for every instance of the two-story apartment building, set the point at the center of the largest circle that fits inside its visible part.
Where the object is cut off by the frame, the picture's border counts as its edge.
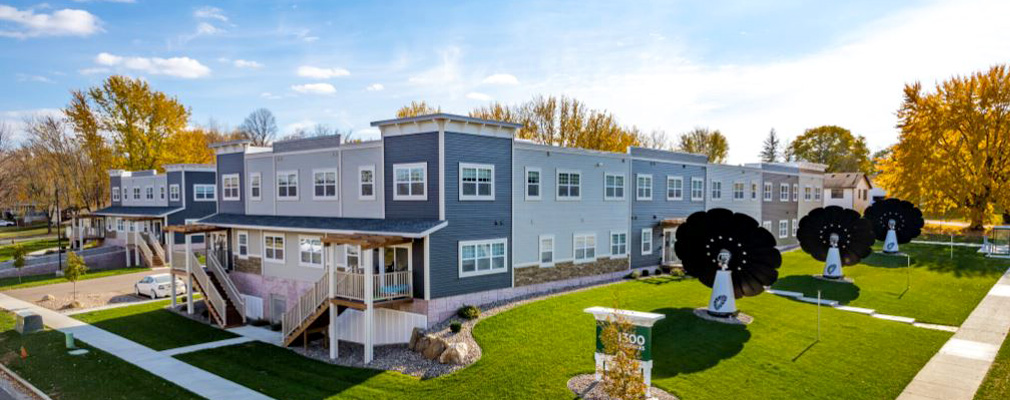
(780, 195)
(734, 187)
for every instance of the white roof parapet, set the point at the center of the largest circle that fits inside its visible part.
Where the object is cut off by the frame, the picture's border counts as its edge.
(119, 172)
(446, 123)
(231, 146)
(808, 165)
(191, 167)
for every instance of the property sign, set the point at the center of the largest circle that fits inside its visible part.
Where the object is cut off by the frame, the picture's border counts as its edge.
(640, 337)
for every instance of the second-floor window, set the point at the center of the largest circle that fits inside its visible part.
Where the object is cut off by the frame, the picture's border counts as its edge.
(255, 186)
(716, 190)
(230, 187)
(366, 183)
(768, 191)
(533, 184)
(149, 192)
(807, 193)
(476, 182)
(614, 187)
(324, 184)
(643, 187)
(738, 191)
(310, 251)
(753, 190)
(783, 192)
(697, 189)
(204, 192)
(410, 181)
(674, 188)
(115, 194)
(136, 193)
(173, 192)
(796, 192)
(817, 193)
(287, 185)
(161, 192)
(569, 185)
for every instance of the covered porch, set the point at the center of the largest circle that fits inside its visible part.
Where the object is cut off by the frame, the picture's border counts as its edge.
(669, 238)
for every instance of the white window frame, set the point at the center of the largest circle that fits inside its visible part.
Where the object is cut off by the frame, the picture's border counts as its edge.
(476, 196)
(818, 192)
(174, 194)
(783, 192)
(639, 179)
(701, 191)
(310, 238)
(238, 244)
(542, 250)
(796, 227)
(796, 192)
(491, 244)
(411, 196)
(754, 188)
(767, 225)
(361, 182)
(347, 256)
(120, 225)
(283, 247)
(646, 239)
(539, 184)
(196, 192)
(115, 193)
(783, 228)
(557, 184)
(808, 193)
(669, 180)
(743, 191)
(255, 186)
(606, 186)
(585, 250)
(226, 184)
(136, 192)
(161, 192)
(768, 195)
(336, 184)
(715, 190)
(149, 192)
(616, 234)
(287, 174)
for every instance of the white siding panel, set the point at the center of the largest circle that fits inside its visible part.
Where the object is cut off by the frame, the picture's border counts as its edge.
(390, 326)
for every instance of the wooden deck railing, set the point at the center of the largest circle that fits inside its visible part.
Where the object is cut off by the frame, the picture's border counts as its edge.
(154, 245)
(390, 285)
(307, 304)
(210, 292)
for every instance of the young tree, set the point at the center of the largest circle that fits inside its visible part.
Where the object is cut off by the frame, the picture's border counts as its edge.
(833, 146)
(772, 148)
(416, 108)
(953, 154)
(19, 252)
(260, 127)
(74, 270)
(705, 141)
(622, 379)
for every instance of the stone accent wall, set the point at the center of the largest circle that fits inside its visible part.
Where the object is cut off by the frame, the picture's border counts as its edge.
(568, 270)
(250, 265)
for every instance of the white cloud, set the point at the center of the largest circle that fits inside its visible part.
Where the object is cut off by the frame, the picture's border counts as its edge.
(315, 88)
(446, 72)
(209, 12)
(33, 78)
(105, 1)
(205, 28)
(15, 119)
(246, 64)
(375, 87)
(64, 22)
(307, 71)
(478, 96)
(181, 67)
(268, 95)
(305, 124)
(94, 70)
(501, 79)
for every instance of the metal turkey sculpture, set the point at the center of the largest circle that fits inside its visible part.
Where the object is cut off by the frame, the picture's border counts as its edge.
(895, 222)
(838, 236)
(730, 253)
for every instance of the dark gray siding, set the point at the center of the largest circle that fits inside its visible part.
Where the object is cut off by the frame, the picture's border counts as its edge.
(194, 209)
(232, 163)
(417, 263)
(472, 220)
(421, 147)
(776, 210)
(116, 182)
(648, 213)
(174, 178)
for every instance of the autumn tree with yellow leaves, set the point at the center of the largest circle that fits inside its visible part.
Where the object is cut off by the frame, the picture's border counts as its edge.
(953, 154)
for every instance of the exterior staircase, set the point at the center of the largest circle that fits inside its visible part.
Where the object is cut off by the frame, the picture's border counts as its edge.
(304, 317)
(225, 306)
(151, 250)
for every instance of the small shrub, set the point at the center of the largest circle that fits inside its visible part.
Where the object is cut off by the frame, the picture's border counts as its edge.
(468, 312)
(276, 327)
(678, 272)
(455, 326)
(634, 275)
(666, 269)
(259, 322)
(657, 272)
(645, 272)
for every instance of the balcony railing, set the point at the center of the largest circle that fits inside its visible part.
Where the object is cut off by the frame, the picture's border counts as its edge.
(385, 286)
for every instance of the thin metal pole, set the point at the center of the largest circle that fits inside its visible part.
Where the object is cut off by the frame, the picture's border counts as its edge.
(818, 315)
(951, 246)
(908, 272)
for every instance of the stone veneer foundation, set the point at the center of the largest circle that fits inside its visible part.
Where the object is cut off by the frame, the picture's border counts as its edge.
(567, 270)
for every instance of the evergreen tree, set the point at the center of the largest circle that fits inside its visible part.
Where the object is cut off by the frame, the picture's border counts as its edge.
(772, 147)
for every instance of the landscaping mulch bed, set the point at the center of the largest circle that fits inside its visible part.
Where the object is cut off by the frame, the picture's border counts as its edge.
(92, 300)
(585, 387)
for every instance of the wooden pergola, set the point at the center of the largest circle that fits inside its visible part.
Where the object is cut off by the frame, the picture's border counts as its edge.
(366, 241)
(672, 222)
(192, 229)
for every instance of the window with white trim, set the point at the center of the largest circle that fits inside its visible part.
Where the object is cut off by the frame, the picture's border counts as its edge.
(768, 191)
(697, 189)
(352, 257)
(533, 176)
(613, 187)
(136, 193)
(753, 190)
(273, 247)
(796, 227)
(481, 257)
(817, 193)
(119, 225)
(410, 181)
(646, 241)
(243, 244)
(230, 189)
(366, 182)
(643, 187)
(161, 192)
(738, 191)
(569, 185)
(783, 192)
(807, 193)
(287, 185)
(716, 190)
(115, 194)
(547, 250)
(783, 228)
(476, 182)
(618, 244)
(173, 192)
(255, 186)
(585, 247)
(204, 192)
(674, 188)
(149, 193)
(767, 225)
(324, 184)
(310, 251)
(796, 192)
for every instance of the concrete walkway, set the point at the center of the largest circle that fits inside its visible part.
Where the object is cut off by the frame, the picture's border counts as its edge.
(957, 370)
(187, 376)
(204, 346)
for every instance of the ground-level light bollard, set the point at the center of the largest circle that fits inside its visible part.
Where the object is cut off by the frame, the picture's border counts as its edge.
(642, 337)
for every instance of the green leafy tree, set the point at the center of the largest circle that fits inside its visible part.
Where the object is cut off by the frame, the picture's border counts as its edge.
(771, 148)
(707, 142)
(622, 379)
(833, 146)
(19, 252)
(76, 268)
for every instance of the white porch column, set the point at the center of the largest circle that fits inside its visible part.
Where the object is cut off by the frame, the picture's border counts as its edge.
(331, 277)
(189, 275)
(170, 240)
(136, 241)
(366, 259)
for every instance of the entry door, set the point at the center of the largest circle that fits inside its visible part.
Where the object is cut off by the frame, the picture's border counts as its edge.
(669, 239)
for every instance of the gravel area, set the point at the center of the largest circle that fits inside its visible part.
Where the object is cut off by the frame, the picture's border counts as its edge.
(585, 387)
(87, 300)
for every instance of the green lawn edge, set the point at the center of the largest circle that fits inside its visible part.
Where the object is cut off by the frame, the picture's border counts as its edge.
(154, 326)
(12, 283)
(996, 385)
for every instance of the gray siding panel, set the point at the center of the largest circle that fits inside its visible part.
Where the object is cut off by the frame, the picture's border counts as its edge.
(777, 210)
(729, 175)
(232, 163)
(648, 213)
(422, 147)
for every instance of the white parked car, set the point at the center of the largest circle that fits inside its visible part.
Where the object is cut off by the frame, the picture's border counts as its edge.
(4, 222)
(160, 285)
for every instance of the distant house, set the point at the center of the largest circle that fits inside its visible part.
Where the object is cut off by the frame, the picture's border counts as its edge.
(877, 192)
(848, 190)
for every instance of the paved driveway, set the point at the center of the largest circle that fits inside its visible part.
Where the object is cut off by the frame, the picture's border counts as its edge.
(119, 287)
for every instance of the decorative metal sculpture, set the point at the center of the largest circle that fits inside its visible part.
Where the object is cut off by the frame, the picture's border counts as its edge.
(730, 253)
(895, 222)
(837, 236)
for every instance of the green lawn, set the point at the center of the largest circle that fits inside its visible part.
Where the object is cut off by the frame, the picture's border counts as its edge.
(49, 279)
(96, 375)
(996, 385)
(532, 351)
(7, 251)
(23, 231)
(943, 291)
(151, 325)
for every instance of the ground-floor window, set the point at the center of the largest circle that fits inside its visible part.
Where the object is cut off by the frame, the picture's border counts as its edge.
(273, 247)
(352, 257)
(783, 228)
(618, 243)
(119, 225)
(480, 257)
(646, 241)
(585, 247)
(546, 250)
(243, 244)
(310, 251)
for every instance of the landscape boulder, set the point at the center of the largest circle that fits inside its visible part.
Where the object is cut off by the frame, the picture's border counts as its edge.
(455, 354)
(415, 335)
(48, 297)
(435, 347)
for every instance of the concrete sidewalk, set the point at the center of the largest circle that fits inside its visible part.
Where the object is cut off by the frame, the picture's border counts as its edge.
(187, 376)
(959, 368)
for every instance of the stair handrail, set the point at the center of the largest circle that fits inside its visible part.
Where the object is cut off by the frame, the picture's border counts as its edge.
(307, 304)
(145, 251)
(226, 282)
(209, 290)
(155, 246)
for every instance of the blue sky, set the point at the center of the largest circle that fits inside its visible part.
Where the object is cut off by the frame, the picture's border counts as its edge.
(739, 66)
